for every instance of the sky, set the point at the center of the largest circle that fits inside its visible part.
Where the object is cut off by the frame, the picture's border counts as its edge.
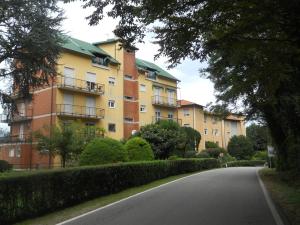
(191, 87)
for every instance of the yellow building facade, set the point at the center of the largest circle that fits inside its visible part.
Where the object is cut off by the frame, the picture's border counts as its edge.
(211, 127)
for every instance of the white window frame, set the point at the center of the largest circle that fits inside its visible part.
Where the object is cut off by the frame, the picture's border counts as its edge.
(205, 131)
(143, 108)
(186, 112)
(111, 104)
(142, 88)
(112, 81)
(11, 153)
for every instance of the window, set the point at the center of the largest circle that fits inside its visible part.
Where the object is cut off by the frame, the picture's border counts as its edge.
(69, 76)
(21, 132)
(111, 104)
(127, 77)
(186, 125)
(112, 127)
(205, 118)
(112, 81)
(205, 131)
(128, 119)
(151, 75)
(11, 152)
(18, 152)
(130, 98)
(142, 87)
(143, 108)
(100, 60)
(91, 81)
(216, 132)
(170, 115)
(186, 112)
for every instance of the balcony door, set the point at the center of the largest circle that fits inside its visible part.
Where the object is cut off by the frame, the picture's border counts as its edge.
(21, 109)
(69, 75)
(68, 103)
(157, 95)
(91, 81)
(91, 106)
(171, 97)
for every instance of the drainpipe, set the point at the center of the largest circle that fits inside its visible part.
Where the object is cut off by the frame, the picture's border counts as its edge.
(51, 120)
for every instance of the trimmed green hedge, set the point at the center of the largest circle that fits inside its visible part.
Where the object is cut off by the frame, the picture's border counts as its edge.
(246, 163)
(31, 195)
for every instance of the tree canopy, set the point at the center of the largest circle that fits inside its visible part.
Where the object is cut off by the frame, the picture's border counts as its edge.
(252, 49)
(259, 136)
(29, 43)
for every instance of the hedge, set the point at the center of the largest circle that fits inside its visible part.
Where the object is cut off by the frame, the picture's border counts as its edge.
(31, 195)
(239, 163)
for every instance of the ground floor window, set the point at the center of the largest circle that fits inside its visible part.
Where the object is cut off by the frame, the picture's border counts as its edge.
(112, 127)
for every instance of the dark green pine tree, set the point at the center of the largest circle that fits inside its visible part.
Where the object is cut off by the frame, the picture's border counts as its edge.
(30, 43)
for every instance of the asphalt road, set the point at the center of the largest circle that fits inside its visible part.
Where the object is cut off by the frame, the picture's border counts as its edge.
(231, 196)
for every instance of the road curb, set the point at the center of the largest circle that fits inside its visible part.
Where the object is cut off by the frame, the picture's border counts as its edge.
(270, 202)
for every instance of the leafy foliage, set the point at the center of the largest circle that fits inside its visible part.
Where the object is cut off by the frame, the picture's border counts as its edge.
(259, 136)
(26, 196)
(193, 138)
(164, 138)
(239, 163)
(66, 141)
(240, 147)
(260, 155)
(103, 151)
(252, 48)
(4, 166)
(210, 144)
(214, 152)
(139, 149)
(29, 43)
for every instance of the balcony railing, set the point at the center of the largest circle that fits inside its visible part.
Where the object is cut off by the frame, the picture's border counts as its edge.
(164, 101)
(79, 111)
(85, 86)
(159, 118)
(21, 138)
(16, 116)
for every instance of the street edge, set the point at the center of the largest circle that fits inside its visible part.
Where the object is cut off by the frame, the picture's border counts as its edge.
(272, 207)
(132, 196)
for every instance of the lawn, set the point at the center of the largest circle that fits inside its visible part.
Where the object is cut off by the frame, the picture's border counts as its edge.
(62, 215)
(286, 195)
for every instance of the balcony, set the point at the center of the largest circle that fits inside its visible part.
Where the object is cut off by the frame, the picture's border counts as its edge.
(20, 116)
(159, 118)
(164, 101)
(21, 138)
(78, 85)
(79, 111)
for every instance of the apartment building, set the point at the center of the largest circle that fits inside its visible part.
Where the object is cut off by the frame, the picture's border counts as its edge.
(101, 85)
(212, 128)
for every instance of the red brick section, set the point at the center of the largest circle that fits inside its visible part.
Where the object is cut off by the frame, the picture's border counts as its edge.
(131, 108)
(41, 108)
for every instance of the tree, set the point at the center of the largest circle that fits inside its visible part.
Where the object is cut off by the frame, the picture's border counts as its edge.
(164, 137)
(252, 49)
(139, 149)
(29, 43)
(240, 147)
(193, 138)
(210, 144)
(66, 141)
(259, 136)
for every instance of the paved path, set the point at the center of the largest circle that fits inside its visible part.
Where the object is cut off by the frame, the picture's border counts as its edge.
(231, 196)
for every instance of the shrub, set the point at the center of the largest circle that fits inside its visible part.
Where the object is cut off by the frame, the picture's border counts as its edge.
(202, 154)
(190, 154)
(193, 138)
(215, 152)
(139, 149)
(239, 163)
(174, 157)
(25, 196)
(210, 144)
(260, 155)
(102, 151)
(240, 147)
(4, 166)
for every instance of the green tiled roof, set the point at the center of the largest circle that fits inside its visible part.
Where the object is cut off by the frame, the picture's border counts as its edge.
(85, 48)
(143, 64)
(111, 40)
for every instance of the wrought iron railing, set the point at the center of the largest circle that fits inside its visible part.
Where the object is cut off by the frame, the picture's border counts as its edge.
(79, 111)
(164, 101)
(159, 118)
(80, 85)
(21, 138)
(16, 116)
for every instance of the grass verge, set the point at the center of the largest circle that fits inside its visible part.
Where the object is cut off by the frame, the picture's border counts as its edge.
(285, 195)
(64, 214)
